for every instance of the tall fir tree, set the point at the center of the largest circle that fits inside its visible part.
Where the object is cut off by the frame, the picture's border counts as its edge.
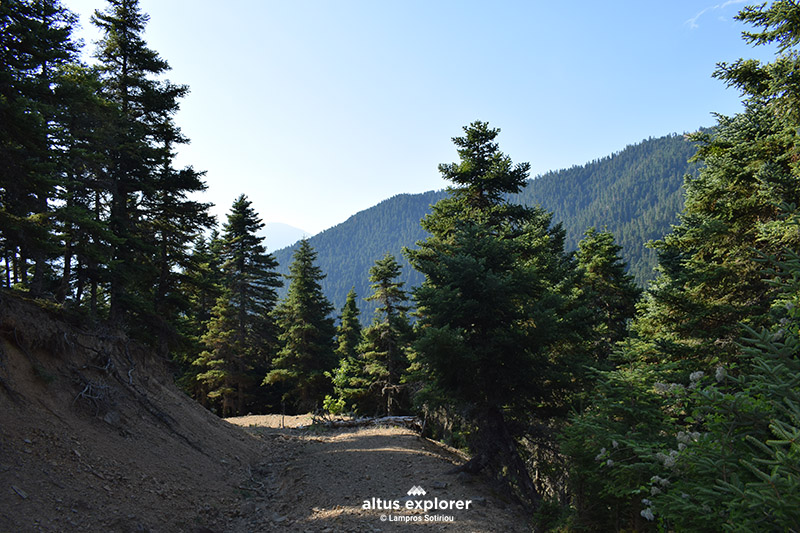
(348, 333)
(80, 211)
(370, 379)
(387, 340)
(204, 282)
(149, 214)
(490, 302)
(348, 380)
(608, 291)
(306, 334)
(241, 337)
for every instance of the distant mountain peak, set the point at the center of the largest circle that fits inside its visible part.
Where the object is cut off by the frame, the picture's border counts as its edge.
(278, 235)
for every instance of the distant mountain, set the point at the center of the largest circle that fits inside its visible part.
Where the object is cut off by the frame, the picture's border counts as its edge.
(635, 193)
(277, 235)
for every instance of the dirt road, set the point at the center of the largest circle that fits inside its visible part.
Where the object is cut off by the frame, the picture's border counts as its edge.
(358, 480)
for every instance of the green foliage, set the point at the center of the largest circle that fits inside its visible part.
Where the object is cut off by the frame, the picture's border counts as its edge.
(751, 476)
(386, 342)
(371, 379)
(93, 213)
(609, 293)
(612, 448)
(241, 337)
(490, 303)
(348, 333)
(306, 336)
(35, 38)
(722, 452)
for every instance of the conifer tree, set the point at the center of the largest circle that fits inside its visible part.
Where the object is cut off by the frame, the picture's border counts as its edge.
(35, 40)
(609, 293)
(370, 380)
(241, 336)
(83, 126)
(348, 333)
(386, 341)
(489, 304)
(710, 437)
(149, 214)
(348, 380)
(203, 285)
(306, 335)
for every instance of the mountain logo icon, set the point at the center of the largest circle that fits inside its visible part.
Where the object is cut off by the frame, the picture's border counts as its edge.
(416, 490)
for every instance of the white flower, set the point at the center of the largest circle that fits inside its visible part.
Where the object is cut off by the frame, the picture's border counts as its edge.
(661, 387)
(668, 460)
(683, 437)
(648, 514)
(599, 456)
(610, 463)
(654, 491)
(660, 480)
(681, 446)
(696, 376)
(720, 374)
(647, 502)
(615, 444)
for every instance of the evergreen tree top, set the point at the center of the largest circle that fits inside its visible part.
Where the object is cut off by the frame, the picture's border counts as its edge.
(484, 173)
(123, 23)
(387, 291)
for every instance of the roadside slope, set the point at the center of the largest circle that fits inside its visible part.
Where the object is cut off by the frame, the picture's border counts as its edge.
(94, 436)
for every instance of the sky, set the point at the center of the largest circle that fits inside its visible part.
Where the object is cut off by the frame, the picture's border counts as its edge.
(318, 109)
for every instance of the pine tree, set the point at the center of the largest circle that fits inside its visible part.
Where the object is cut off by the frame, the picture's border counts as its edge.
(349, 383)
(348, 333)
(83, 119)
(241, 336)
(609, 293)
(35, 43)
(386, 342)
(489, 304)
(369, 380)
(204, 282)
(306, 334)
(149, 214)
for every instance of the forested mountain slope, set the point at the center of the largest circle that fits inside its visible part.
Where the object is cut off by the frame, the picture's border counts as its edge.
(635, 193)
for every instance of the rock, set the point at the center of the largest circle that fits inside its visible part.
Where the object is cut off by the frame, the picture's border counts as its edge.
(21, 493)
(439, 485)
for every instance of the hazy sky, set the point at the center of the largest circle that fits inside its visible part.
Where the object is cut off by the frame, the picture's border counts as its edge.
(319, 109)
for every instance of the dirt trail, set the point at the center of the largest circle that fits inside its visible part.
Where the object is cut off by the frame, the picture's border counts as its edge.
(319, 481)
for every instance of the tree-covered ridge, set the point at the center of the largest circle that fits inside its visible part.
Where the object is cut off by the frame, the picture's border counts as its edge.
(635, 194)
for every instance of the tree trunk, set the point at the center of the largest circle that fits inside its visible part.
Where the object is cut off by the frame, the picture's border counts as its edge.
(496, 450)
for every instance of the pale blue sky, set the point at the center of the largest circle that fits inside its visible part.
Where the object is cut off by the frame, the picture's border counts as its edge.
(319, 109)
